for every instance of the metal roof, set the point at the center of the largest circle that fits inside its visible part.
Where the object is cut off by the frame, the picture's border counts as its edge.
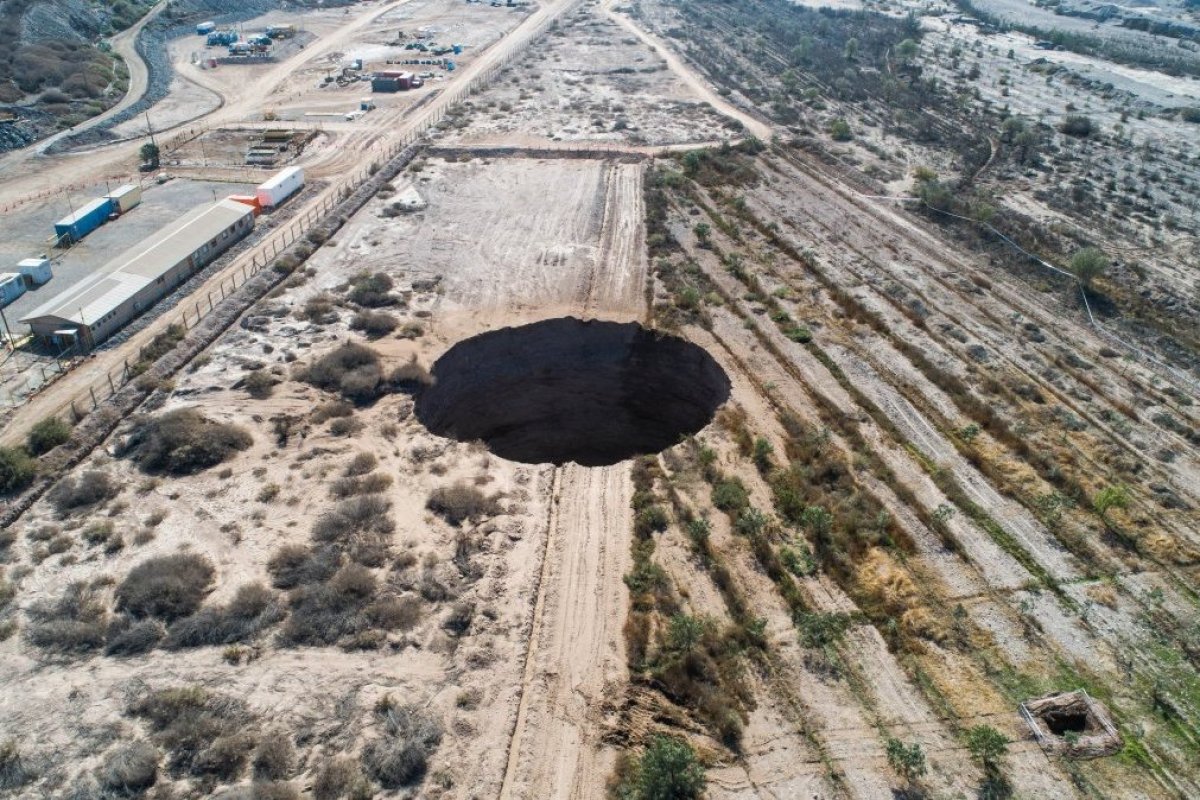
(127, 274)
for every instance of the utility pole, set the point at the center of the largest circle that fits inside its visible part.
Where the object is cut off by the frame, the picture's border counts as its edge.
(149, 129)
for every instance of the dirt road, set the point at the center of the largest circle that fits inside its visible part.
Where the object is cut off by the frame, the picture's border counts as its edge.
(697, 84)
(577, 655)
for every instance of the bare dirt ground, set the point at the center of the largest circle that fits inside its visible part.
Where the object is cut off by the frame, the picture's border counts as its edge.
(934, 491)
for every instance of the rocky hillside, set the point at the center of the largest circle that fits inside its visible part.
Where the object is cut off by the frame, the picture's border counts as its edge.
(54, 70)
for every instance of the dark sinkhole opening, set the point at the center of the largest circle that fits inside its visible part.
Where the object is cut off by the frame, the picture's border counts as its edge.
(561, 390)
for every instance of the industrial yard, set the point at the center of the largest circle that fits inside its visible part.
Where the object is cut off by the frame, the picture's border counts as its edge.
(581, 399)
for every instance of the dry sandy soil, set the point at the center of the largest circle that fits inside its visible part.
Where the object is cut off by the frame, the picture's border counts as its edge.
(893, 530)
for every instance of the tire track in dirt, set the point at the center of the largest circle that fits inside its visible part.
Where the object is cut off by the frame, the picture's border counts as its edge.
(620, 268)
(576, 663)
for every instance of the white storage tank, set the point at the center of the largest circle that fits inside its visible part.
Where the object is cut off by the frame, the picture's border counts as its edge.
(283, 185)
(125, 197)
(35, 270)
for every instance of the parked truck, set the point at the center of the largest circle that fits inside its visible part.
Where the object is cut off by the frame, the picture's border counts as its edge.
(205, 28)
(222, 38)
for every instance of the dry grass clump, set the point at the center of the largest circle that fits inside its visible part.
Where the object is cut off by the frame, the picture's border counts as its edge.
(400, 756)
(374, 324)
(372, 290)
(1166, 547)
(274, 758)
(253, 609)
(319, 309)
(359, 525)
(14, 772)
(130, 637)
(345, 610)
(184, 442)
(461, 503)
(410, 377)
(89, 489)
(206, 734)
(166, 587)
(296, 564)
(74, 624)
(361, 464)
(334, 409)
(130, 769)
(352, 370)
(341, 777)
(47, 435)
(1104, 594)
(374, 483)
(259, 384)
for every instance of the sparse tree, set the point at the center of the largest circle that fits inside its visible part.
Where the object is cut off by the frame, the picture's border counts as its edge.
(150, 154)
(987, 746)
(668, 770)
(907, 50)
(908, 761)
(1108, 498)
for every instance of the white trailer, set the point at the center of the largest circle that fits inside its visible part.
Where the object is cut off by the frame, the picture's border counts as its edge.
(283, 185)
(125, 197)
(36, 270)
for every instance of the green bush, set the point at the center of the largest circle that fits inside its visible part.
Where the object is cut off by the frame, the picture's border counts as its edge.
(667, 770)
(16, 469)
(1078, 126)
(730, 496)
(47, 435)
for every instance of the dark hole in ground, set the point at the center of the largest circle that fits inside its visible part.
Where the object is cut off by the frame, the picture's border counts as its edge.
(567, 390)
(1068, 721)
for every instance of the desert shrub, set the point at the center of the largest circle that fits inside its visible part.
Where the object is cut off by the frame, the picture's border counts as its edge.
(319, 309)
(410, 377)
(90, 488)
(368, 484)
(352, 370)
(361, 464)
(400, 756)
(14, 773)
(365, 514)
(73, 624)
(324, 613)
(667, 769)
(345, 426)
(129, 637)
(47, 435)
(130, 769)
(183, 442)
(340, 777)
(1077, 125)
(166, 587)
(839, 130)
(274, 758)
(1088, 264)
(651, 519)
(16, 469)
(459, 503)
(273, 790)
(371, 290)
(204, 733)
(374, 324)
(253, 609)
(259, 384)
(730, 496)
(295, 564)
(334, 409)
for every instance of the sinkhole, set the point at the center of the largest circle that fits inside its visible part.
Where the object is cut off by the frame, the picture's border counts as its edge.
(562, 390)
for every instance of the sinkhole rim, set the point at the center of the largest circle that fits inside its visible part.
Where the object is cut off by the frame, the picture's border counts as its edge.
(569, 390)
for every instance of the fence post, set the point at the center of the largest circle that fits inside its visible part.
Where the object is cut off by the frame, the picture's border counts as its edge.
(92, 390)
